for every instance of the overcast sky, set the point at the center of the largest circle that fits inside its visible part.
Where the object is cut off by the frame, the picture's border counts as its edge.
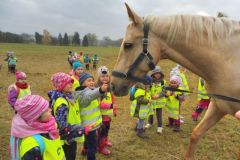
(103, 17)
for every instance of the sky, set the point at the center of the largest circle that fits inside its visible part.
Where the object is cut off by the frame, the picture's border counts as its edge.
(102, 17)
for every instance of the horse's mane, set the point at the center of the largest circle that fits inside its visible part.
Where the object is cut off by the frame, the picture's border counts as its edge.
(193, 28)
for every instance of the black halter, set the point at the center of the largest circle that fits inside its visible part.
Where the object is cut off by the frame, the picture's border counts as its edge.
(139, 59)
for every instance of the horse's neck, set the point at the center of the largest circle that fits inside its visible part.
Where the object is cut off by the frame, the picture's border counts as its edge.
(202, 61)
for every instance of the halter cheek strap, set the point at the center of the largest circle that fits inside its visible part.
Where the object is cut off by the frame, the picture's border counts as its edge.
(143, 55)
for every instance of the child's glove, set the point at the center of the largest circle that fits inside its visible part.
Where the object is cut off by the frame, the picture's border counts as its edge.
(88, 128)
(115, 112)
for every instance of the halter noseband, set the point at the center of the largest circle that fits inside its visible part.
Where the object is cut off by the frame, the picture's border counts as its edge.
(144, 54)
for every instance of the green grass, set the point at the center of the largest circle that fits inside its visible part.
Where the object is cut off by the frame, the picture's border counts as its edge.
(40, 62)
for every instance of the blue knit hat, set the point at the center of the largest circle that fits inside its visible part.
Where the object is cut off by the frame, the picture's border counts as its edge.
(76, 65)
(83, 77)
(148, 80)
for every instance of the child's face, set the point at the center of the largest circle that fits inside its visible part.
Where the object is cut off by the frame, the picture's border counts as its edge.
(23, 80)
(68, 88)
(105, 78)
(157, 76)
(89, 82)
(79, 71)
(173, 84)
(182, 69)
(46, 116)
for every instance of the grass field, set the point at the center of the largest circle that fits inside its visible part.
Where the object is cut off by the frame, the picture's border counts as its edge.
(40, 62)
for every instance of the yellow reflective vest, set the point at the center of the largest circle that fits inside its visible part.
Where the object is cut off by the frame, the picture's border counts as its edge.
(53, 148)
(202, 89)
(145, 109)
(73, 116)
(156, 89)
(91, 114)
(184, 82)
(23, 92)
(172, 105)
(75, 83)
(107, 100)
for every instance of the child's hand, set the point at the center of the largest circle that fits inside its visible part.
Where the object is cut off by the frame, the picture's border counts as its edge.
(237, 115)
(155, 97)
(115, 112)
(104, 87)
(88, 128)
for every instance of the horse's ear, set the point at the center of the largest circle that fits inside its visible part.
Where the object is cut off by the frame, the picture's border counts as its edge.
(133, 16)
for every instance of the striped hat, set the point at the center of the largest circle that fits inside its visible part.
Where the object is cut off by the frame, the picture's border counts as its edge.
(31, 107)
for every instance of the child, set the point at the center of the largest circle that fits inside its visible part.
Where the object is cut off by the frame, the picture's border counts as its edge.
(87, 61)
(33, 133)
(95, 61)
(90, 112)
(203, 101)
(140, 107)
(67, 114)
(107, 110)
(12, 62)
(180, 71)
(173, 103)
(77, 71)
(18, 90)
(158, 97)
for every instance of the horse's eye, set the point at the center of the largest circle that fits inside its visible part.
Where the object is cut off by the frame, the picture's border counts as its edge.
(128, 45)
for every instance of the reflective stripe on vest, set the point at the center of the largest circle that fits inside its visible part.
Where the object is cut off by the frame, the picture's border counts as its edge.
(73, 116)
(107, 100)
(91, 114)
(172, 105)
(76, 83)
(201, 89)
(184, 83)
(144, 110)
(53, 148)
(156, 89)
(23, 92)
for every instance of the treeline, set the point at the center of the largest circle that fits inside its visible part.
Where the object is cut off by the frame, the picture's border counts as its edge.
(46, 38)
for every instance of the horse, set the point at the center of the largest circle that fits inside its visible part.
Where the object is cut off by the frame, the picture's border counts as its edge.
(207, 46)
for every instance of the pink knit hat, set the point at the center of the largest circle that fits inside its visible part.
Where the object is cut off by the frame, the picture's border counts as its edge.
(176, 79)
(31, 107)
(20, 75)
(60, 80)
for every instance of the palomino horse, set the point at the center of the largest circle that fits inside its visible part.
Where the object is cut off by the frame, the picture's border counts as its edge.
(207, 46)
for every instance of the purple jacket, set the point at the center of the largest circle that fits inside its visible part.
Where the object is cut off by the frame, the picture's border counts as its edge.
(12, 96)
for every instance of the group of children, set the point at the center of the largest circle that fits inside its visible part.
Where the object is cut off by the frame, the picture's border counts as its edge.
(84, 59)
(158, 94)
(79, 110)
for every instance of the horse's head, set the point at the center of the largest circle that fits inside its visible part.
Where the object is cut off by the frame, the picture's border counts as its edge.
(134, 61)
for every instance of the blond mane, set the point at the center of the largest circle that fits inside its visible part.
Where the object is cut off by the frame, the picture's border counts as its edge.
(193, 28)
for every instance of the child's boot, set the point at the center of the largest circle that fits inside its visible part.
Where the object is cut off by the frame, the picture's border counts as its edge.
(107, 143)
(141, 134)
(102, 149)
(195, 116)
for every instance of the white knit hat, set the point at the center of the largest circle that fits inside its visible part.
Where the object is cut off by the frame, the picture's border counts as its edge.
(103, 70)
